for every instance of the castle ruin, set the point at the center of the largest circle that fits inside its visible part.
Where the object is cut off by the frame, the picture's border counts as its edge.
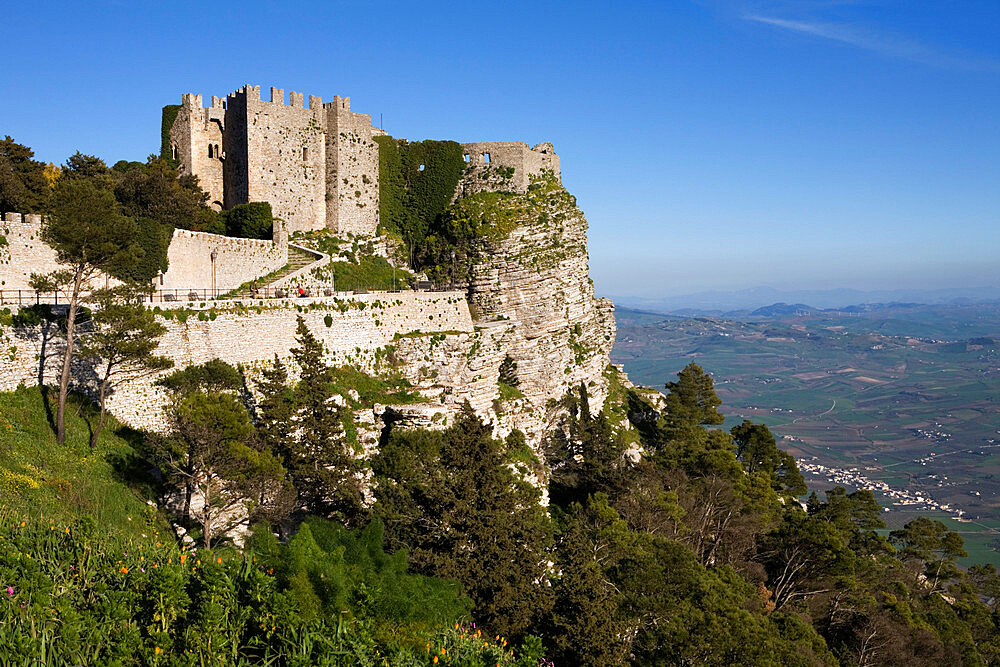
(317, 165)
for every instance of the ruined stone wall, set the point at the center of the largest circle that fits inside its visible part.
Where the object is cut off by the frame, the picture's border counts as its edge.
(287, 159)
(237, 260)
(352, 171)
(489, 163)
(251, 332)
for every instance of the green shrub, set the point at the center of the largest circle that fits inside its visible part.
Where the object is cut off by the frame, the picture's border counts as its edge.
(213, 375)
(411, 199)
(250, 221)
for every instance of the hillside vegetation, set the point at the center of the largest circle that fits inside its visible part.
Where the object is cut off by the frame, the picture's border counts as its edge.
(90, 574)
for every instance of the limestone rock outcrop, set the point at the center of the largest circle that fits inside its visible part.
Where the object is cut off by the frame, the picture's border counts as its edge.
(532, 300)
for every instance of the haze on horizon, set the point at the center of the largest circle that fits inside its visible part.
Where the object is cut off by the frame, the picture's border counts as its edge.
(713, 144)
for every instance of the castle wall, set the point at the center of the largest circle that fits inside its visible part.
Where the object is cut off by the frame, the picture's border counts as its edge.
(287, 160)
(189, 257)
(317, 165)
(24, 253)
(237, 260)
(352, 171)
(251, 333)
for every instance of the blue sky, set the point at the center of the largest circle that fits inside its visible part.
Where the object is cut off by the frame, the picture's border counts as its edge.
(713, 144)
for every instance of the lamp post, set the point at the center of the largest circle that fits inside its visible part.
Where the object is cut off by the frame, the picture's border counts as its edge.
(215, 253)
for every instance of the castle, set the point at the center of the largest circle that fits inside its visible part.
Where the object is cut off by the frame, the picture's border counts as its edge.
(317, 165)
(528, 299)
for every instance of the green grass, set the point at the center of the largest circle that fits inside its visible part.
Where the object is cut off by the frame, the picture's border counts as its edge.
(508, 392)
(44, 482)
(386, 389)
(372, 272)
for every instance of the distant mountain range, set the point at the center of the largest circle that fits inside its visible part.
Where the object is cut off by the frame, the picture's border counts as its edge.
(794, 301)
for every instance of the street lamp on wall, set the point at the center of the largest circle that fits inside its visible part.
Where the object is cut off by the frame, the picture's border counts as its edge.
(215, 253)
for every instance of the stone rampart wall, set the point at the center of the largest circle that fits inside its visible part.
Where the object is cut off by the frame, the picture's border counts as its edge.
(190, 257)
(251, 333)
(24, 253)
(237, 260)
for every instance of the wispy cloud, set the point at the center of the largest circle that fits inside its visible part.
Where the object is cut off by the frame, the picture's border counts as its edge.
(885, 44)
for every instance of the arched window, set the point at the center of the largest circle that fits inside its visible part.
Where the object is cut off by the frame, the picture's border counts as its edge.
(173, 151)
(216, 150)
(210, 150)
(305, 153)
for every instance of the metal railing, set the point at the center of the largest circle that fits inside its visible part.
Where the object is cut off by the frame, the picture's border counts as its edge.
(179, 295)
(30, 297)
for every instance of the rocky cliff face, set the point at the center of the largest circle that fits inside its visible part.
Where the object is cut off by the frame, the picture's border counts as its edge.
(537, 279)
(532, 300)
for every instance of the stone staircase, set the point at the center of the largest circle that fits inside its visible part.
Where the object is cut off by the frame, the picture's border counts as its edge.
(292, 278)
(298, 259)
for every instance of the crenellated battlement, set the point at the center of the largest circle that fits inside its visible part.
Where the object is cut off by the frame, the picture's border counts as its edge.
(341, 103)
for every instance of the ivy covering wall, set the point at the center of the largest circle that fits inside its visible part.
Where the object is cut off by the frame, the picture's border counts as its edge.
(416, 183)
(170, 112)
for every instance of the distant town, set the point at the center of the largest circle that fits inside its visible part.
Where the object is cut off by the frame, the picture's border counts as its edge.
(852, 477)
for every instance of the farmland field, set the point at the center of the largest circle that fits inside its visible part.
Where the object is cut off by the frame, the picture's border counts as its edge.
(906, 395)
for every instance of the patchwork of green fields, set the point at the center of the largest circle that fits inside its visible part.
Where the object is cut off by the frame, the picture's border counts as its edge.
(911, 395)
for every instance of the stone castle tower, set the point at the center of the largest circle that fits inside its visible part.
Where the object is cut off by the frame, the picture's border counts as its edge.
(316, 165)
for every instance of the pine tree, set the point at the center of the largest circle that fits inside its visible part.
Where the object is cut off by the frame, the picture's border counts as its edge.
(276, 409)
(89, 234)
(465, 516)
(322, 470)
(124, 334)
(587, 457)
(584, 628)
(691, 401)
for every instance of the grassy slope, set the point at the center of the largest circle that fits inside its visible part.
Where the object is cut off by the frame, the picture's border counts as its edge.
(43, 482)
